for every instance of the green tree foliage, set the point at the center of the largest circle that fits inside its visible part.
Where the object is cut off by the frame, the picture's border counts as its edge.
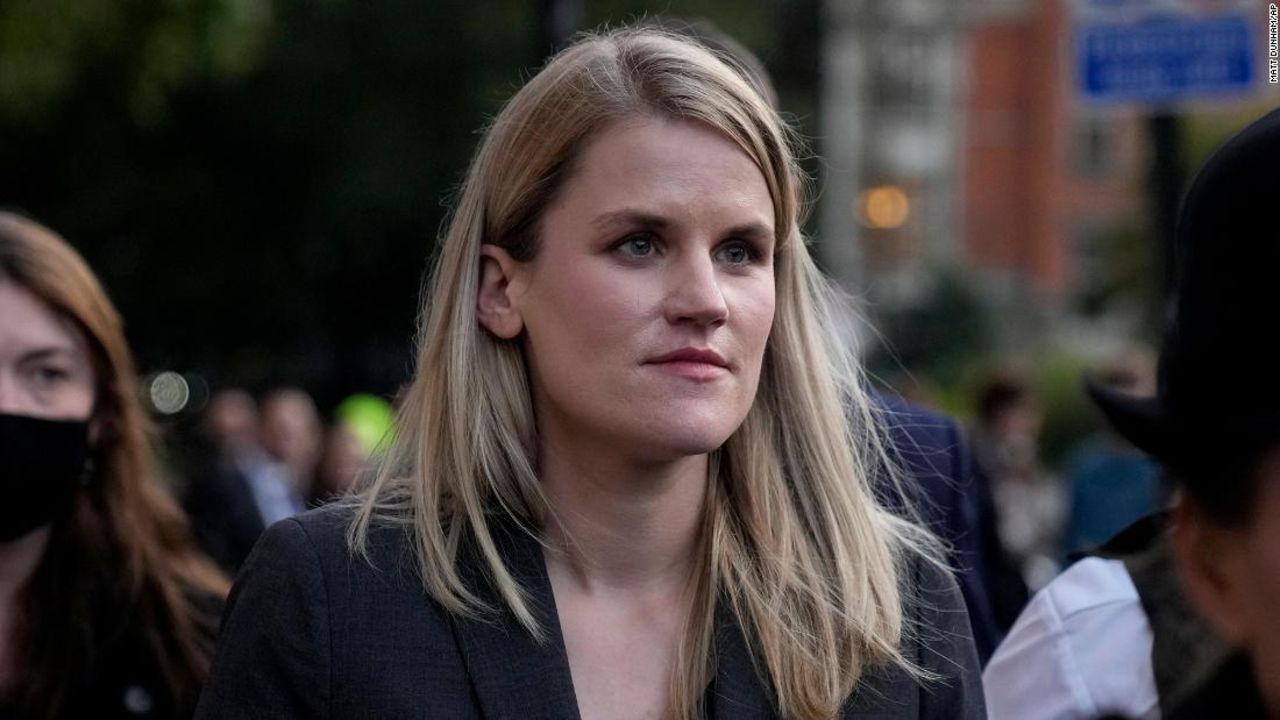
(940, 338)
(260, 183)
(144, 50)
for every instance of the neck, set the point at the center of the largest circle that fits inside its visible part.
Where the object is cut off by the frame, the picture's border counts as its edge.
(623, 525)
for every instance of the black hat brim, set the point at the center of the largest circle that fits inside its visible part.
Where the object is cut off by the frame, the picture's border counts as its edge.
(1142, 421)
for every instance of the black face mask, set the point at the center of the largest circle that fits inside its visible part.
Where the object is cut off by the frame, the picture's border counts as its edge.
(42, 462)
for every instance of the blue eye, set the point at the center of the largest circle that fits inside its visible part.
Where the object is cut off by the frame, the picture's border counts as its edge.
(638, 245)
(738, 253)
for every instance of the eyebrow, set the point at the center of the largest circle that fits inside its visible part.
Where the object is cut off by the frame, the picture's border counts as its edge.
(631, 218)
(49, 352)
(649, 221)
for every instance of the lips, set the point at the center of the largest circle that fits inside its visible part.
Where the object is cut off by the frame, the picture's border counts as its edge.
(705, 356)
(700, 365)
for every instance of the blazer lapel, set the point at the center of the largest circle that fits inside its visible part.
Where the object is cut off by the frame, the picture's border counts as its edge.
(513, 675)
(737, 692)
(516, 678)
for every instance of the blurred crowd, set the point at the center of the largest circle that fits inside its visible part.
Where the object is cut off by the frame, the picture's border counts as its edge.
(259, 460)
(1046, 516)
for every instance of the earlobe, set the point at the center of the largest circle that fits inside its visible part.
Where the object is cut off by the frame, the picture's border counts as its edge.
(1208, 569)
(495, 303)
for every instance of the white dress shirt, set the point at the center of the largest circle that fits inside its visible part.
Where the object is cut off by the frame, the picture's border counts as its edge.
(1081, 649)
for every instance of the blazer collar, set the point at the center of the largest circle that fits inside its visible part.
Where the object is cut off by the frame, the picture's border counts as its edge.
(737, 691)
(516, 677)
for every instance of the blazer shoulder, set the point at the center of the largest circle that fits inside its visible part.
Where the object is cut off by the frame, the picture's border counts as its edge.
(935, 640)
(386, 561)
(315, 629)
(938, 628)
(325, 527)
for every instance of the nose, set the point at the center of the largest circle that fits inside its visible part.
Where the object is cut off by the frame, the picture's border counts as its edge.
(694, 293)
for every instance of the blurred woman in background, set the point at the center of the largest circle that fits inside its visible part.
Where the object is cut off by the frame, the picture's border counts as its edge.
(106, 607)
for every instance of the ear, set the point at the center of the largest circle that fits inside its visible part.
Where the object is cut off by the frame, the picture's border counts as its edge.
(1212, 569)
(501, 283)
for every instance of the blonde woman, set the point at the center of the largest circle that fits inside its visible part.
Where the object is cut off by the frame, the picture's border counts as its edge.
(633, 476)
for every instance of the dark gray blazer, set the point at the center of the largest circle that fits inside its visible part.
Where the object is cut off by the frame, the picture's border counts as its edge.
(312, 632)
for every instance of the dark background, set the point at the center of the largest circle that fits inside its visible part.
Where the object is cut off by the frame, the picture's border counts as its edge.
(260, 184)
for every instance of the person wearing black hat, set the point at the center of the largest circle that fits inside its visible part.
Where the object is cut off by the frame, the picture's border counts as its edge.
(1185, 609)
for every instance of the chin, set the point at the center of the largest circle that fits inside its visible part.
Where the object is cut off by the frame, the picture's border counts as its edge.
(686, 446)
(673, 440)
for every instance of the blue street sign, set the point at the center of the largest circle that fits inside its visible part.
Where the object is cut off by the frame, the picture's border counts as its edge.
(1165, 58)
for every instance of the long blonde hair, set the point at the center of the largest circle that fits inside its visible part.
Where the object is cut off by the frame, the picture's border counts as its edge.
(793, 540)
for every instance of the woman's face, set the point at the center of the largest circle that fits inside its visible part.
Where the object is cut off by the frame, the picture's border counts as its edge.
(647, 309)
(44, 360)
